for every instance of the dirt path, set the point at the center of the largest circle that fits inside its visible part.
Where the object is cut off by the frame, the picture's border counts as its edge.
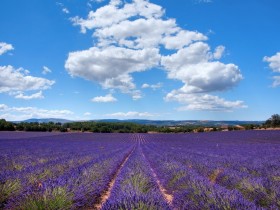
(168, 197)
(107, 193)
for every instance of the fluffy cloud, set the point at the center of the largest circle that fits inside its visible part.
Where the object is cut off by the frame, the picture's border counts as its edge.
(102, 64)
(98, 1)
(128, 40)
(182, 39)
(104, 99)
(201, 74)
(194, 66)
(274, 62)
(46, 70)
(219, 51)
(111, 67)
(63, 8)
(130, 37)
(200, 102)
(137, 34)
(87, 114)
(204, 1)
(276, 81)
(4, 47)
(37, 95)
(131, 115)
(145, 85)
(153, 86)
(274, 65)
(22, 113)
(136, 94)
(18, 80)
(3, 107)
(114, 13)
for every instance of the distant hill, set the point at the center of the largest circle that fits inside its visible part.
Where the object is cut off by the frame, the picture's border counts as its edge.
(47, 120)
(154, 122)
(182, 122)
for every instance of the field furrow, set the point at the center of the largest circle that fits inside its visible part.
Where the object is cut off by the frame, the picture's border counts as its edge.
(220, 170)
(135, 187)
(106, 194)
(167, 196)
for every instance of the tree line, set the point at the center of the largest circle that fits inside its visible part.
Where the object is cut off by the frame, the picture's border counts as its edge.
(273, 121)
(96, 127)
(123, 127)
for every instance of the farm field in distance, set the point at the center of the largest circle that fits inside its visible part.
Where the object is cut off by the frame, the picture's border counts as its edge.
(217, 170)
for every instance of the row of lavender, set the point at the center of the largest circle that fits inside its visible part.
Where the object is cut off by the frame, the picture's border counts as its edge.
(223, 170)
(135, 187)
(59, 171)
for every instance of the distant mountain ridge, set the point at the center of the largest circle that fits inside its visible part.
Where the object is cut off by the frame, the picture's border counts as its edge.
(46, 120)
(183, 122)
(152, 122)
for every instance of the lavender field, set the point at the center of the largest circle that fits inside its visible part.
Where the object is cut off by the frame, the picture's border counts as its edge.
(217, 170)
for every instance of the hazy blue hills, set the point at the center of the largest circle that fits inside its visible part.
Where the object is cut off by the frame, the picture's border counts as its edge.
(182, 122)
(154, 122)
(46, 120)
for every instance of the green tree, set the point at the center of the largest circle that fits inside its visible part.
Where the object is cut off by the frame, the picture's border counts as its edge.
(6, 126)
(273, 121)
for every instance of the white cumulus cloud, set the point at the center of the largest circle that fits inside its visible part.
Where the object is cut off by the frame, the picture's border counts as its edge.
(46, 70)
(131, 115)
(276, 81)
(194, 66)
(204, 1)
(98, 1)
(145, 85)
(129, 37)
(63, 8)
(3, 107)
(23, 113)
(201, 102)
(182, 39)
(104, 99)
(87, 114)
(4, 47)
(19, 80)
(12, 79)
(274, 62)
(136, 36)
(115, 12)
(274, 65)
(152, 86)
(111, 66)
(219, 51)
(38, 95)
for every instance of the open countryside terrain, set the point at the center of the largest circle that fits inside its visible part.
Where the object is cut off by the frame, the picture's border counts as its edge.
(139, 105)
(219, 170)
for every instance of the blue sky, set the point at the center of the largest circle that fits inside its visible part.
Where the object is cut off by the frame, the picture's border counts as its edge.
(94, 59)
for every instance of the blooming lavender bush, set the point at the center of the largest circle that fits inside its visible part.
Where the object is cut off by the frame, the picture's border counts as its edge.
(219, 170)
